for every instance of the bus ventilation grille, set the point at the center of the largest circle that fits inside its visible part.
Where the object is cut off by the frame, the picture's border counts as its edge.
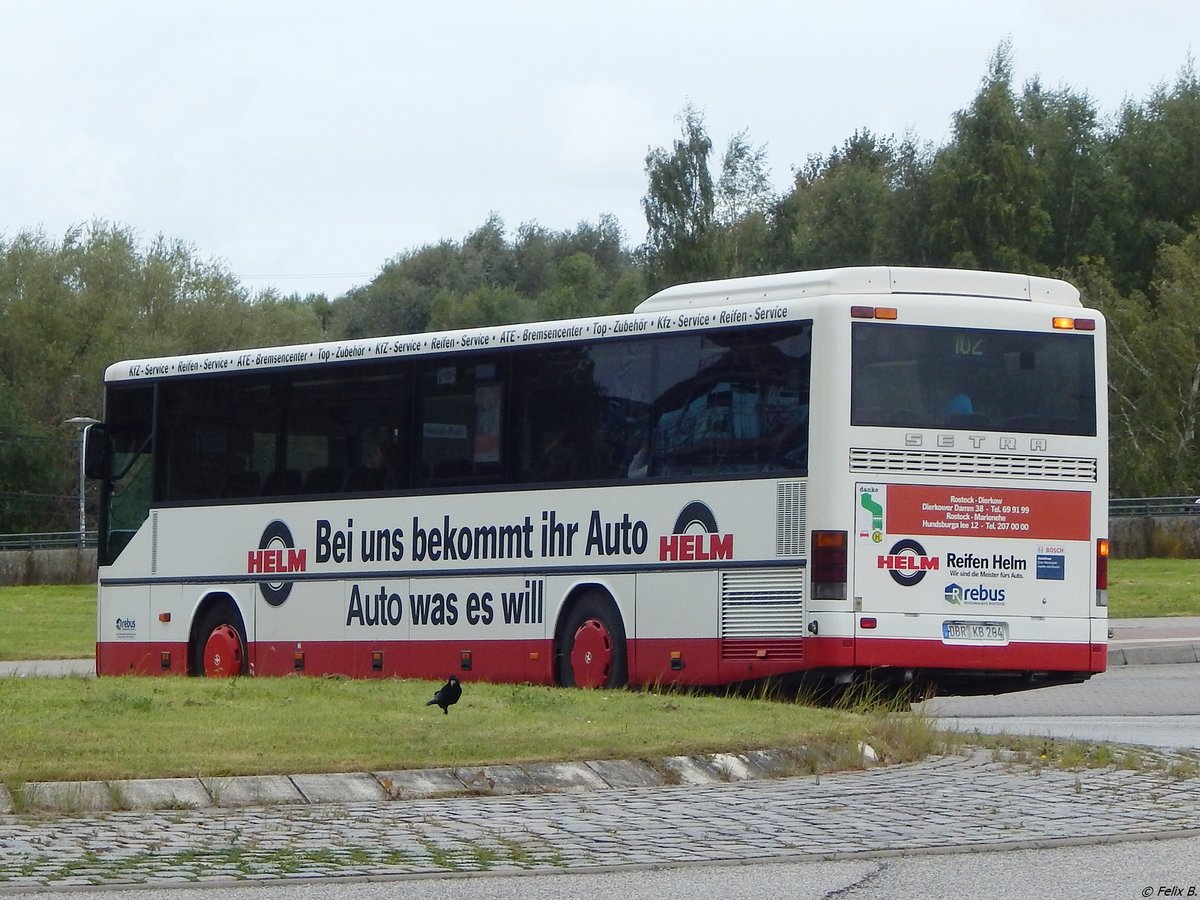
(762, 614)
(789, 518)
(883, 462)
(154, 542)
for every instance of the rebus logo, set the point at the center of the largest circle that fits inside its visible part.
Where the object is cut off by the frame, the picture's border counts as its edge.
(907, 562)
(686, 544)
(276, 553)
(959, 594)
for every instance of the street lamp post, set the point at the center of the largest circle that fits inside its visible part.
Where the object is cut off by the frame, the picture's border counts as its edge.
(82, 423)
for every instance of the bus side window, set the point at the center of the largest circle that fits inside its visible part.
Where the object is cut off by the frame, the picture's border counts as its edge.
(580, 412)
(732, 404)
(459, 424)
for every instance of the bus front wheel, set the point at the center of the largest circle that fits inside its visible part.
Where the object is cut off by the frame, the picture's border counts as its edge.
(592, 652)
(219, 649)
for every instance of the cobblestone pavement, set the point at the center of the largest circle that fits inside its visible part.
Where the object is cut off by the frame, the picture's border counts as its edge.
(971, 801)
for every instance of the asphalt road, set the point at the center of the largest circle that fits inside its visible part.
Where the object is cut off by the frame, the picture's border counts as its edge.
(1157, 706)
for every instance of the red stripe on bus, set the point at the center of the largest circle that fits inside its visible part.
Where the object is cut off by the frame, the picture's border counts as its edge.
(692, 661)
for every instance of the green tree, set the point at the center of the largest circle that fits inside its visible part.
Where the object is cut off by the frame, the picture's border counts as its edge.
(1079, 186)
(1155, 152)
(488, 280)
(679, 206)
(842, 210)
(399, 298)
(70, 308)
(743, 203)
(1154, 377)
(986, 188)
(485, 305)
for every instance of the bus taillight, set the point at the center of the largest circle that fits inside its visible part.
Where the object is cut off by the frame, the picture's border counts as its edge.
(1102, 571)
(829, 553)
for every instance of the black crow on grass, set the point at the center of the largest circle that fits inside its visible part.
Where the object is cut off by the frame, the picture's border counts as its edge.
(447, 695)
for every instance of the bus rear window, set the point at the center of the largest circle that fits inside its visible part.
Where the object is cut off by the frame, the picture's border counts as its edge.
(916, 376)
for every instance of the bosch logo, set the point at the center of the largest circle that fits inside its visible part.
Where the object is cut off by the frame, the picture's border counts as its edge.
(907, 562)
(276, 553)
(695, 537)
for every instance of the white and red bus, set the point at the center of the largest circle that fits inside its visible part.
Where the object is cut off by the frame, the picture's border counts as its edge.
(886, 469)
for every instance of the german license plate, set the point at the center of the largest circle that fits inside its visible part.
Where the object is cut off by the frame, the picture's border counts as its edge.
(984, 632)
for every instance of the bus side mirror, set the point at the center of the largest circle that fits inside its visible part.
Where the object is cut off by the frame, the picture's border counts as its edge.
(97, 452)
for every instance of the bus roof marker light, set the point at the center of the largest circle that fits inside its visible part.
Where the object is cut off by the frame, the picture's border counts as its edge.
(1085, 324)
(874, 312)
(1064, 323)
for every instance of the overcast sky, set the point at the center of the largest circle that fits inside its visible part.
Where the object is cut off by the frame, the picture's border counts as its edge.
(304, 144)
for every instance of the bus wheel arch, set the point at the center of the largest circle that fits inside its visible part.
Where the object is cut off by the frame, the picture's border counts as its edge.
(217, 645)
(590, 646)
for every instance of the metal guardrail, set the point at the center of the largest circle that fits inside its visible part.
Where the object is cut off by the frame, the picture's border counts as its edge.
(1153, 506)
(44, 540)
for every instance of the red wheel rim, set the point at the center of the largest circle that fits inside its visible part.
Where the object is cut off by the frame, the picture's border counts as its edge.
(592, 654)
(223, 652)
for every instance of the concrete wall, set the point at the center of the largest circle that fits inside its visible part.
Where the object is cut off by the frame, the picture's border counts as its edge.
(60, 565)
(1139, 537)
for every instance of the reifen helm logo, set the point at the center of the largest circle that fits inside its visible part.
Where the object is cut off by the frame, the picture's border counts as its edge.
(686, 543)
(907, 562)
(276, 553)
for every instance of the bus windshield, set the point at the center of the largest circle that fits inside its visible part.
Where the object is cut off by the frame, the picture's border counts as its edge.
(914, 376)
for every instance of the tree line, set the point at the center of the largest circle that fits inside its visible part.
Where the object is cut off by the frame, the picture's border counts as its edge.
(1032, 179)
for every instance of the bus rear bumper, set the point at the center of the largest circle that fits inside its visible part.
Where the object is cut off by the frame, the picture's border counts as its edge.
(1017, 656)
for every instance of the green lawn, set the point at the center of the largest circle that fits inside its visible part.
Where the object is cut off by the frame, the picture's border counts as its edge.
(1153, 587)
(48, 622)
(147, 727)
(86, 728)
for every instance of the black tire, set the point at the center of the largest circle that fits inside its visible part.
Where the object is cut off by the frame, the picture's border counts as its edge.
(696, 513)
(592, 651)
(218, 647)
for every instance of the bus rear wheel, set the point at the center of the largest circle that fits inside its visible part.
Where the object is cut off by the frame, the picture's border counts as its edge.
(219, 649)
(592, 652)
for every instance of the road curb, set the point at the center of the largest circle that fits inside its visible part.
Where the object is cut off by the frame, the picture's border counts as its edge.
(1166, 654)
(87, 797)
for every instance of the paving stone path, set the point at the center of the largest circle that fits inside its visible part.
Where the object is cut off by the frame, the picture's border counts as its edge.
(970, 801)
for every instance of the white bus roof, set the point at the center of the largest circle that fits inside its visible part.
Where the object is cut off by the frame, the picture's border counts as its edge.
(863, 280)
(680, 307)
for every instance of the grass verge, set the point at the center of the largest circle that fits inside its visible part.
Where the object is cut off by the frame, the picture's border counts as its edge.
(1153, 587)
(145, 727)
(52, 621)
(113, 728)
